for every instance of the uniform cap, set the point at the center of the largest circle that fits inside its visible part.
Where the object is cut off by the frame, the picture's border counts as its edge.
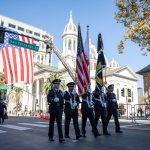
(71, 84)
(111, 85)
(56, 81)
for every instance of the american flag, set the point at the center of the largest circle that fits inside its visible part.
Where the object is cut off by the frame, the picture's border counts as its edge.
(81, 65)
(17, 61)
(101, 63)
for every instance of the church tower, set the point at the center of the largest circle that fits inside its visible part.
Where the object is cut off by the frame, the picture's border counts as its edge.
(69, 38)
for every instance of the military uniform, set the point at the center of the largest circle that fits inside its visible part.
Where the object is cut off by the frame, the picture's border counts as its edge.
(71, 110)
(112, 108)
(100, 110)
(87, 112)
(56, 102)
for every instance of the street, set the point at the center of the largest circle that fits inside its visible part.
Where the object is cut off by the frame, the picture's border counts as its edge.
(30, 133)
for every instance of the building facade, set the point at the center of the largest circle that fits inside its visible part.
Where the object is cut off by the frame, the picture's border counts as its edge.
(146, 77)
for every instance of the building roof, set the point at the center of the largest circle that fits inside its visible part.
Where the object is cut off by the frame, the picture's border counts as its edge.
(145, 69)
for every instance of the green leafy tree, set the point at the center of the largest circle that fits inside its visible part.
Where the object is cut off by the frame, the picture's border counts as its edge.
(135, 16)
(48, 83)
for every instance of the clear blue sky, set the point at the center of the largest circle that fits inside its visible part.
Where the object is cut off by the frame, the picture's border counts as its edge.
(53, 15)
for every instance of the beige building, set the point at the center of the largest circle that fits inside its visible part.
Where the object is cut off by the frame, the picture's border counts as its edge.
(146, 77)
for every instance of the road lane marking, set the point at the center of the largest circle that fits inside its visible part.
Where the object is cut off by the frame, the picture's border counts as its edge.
(130, 125)
(142, 129)
(42, 122)
(35, 125)
(1, 131)
(15, 127)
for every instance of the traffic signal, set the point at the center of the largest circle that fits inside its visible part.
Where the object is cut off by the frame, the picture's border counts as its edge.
(2, 34)
(122, 92)
(129, 92)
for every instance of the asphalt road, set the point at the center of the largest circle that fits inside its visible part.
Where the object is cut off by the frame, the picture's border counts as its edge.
(29, 133)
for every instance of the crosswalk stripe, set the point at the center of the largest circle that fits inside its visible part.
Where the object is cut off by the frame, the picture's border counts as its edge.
(15, 127)
(1, 131)
(42, 122)
(35, 125)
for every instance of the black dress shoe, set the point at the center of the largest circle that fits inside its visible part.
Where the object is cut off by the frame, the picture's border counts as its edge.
(119, 131)
(61, 140)
(106, 133)
(67, 136)
(51, 139)
(97, 134)
(78, 136)
(84, 135)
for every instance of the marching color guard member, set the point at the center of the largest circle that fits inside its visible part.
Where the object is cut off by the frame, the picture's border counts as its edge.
(71, 110)
(56, 102)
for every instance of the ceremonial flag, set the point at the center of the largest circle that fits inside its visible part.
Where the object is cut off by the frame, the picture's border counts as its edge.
(17, 61)
(101, 63)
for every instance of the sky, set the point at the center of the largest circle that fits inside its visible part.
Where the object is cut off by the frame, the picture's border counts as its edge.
(53, 15)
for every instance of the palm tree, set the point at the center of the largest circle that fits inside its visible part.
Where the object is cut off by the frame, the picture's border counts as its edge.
(48, 84)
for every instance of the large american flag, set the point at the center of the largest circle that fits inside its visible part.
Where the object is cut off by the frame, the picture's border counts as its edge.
(81, 66)
(17, 61)
(101, 63)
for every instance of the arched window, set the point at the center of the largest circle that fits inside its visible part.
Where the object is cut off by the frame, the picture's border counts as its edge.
(74, 45)
(69, 44)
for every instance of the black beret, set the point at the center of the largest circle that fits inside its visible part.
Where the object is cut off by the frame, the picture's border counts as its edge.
(71, 84)
(56, 81)
(111, 85)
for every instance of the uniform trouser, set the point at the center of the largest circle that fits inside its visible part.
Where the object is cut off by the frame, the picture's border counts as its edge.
(90, 115)
(101, 113)
(74, 116)
(58, 117)
(115, 115)
(1, 117)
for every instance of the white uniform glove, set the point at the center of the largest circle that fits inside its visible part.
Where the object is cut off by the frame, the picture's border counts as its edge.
(114, 100)
(104, 104)
(56, 99)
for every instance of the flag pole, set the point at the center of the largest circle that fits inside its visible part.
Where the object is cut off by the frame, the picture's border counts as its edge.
(89, 86)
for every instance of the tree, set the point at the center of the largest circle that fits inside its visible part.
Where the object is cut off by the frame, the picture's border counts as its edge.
(135, 16)
(2, 82)
(48, 83)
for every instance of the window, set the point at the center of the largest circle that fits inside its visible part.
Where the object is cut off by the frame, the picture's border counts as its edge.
(69, 45)
(37, 34)
(74, 45)
(20, 28)
(12, 25)
(28, 31)
(2, 23)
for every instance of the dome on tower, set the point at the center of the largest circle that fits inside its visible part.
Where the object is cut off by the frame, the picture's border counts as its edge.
(70, 28)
